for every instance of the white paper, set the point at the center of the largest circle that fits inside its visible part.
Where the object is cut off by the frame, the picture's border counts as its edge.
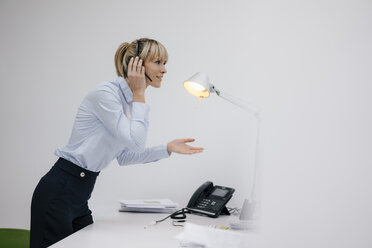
(148, 205)
(148, 210)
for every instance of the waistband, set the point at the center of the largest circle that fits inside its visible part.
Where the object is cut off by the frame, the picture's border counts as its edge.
(75, 170)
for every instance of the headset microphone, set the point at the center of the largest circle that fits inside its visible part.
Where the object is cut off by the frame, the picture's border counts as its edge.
(148, 77)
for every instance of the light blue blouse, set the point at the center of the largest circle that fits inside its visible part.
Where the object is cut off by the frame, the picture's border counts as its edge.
(110, 125)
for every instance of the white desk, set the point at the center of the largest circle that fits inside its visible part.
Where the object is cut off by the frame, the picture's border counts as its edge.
(112, 228)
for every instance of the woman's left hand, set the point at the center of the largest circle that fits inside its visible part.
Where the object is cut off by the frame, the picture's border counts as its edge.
(180, 146)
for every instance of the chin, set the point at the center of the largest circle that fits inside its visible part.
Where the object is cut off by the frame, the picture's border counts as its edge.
(155, 84)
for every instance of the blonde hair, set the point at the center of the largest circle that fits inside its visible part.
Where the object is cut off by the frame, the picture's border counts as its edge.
(148, 50)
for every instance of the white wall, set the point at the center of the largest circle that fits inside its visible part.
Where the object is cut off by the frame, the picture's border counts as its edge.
(304, 62)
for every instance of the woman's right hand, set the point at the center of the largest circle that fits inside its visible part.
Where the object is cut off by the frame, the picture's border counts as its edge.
(136, 79)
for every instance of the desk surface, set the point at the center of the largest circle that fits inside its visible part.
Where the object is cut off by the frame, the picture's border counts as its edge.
(112, 228)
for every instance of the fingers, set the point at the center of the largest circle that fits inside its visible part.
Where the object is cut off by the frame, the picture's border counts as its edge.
(197, 149)
(135, 65)
(194, 148)
(139, 65)
(188, 140)
(130, 65)
(193, 151)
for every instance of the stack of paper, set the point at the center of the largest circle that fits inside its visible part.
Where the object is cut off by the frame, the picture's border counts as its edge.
(148, 206)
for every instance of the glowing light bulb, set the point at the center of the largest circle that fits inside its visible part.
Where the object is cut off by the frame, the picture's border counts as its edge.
(196, 89)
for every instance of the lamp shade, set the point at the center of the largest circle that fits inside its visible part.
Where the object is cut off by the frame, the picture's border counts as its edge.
(199, 85)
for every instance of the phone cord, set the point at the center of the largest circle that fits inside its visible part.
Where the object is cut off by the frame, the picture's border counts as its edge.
(178, 215)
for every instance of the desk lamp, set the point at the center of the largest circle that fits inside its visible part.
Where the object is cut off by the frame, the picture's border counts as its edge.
(200, 86)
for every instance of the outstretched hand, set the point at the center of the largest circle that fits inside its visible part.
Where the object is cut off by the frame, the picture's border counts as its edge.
(180, 146)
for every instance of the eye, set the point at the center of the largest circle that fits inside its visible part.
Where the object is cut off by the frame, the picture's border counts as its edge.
(157, 61)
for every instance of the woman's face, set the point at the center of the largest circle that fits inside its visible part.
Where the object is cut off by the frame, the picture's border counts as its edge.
(155, 69)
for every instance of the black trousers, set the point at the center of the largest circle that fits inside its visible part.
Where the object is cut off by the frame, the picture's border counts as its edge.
(59, 204)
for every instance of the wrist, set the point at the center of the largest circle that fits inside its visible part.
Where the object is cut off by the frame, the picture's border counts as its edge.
(139, 92)
(139, 97)
(169, 149)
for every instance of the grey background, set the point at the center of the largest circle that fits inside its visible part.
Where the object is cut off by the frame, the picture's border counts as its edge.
(307, 64)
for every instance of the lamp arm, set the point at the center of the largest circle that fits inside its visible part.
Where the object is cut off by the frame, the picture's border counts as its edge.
(246, 106)
(255, 111)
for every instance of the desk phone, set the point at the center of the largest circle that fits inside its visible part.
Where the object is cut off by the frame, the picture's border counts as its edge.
(210, 200)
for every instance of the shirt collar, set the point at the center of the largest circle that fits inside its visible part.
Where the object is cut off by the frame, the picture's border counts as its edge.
(127, 92)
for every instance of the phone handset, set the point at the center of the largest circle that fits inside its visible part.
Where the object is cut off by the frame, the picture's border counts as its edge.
(137, 53)
(201, 191)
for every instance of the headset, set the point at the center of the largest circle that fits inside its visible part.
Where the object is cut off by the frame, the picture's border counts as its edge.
(137, 54)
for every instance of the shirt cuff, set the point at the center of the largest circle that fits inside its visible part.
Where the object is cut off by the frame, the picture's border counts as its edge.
(162, 151)
(140, 111)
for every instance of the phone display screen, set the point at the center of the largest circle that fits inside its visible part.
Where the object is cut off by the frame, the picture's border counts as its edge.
(219, 192)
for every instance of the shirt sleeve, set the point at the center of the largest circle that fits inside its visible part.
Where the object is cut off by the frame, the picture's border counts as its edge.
(109, 110)
(151, 154)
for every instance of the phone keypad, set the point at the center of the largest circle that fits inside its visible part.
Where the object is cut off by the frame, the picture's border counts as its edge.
(208, 204)
(215, 205)
(204, 203)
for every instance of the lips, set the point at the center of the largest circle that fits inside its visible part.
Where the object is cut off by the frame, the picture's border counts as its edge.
(159, 77)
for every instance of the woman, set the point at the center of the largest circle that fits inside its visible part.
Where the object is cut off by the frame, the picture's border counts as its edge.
(111, 122)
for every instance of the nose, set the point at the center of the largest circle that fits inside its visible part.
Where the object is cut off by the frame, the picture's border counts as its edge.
(163, 69)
